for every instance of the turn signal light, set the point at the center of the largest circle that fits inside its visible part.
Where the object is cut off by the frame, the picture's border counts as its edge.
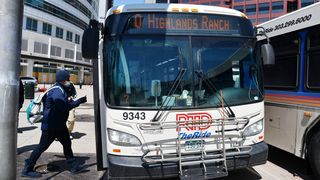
(116, 150)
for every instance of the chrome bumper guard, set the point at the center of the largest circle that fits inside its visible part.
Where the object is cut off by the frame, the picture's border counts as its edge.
(156, 151)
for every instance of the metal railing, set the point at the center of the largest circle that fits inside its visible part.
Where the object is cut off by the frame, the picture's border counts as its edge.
(175, 150)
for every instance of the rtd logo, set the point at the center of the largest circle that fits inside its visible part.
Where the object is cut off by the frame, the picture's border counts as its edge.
(193, 120)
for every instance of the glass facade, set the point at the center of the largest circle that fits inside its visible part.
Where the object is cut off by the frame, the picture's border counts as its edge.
(56, 11)
(79, 6)
(305, 3)
(277, 7)
(251, 9)
(257, 11)
(264, 8)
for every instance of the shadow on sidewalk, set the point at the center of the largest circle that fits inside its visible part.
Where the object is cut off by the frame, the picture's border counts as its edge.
(27, 148)
(85, 118)
(27, 128)
(78, 135)
(57, 167)
(54, 166)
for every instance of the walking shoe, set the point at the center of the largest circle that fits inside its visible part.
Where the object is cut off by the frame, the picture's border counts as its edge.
(28, 170)
(77, 169)
(31, 174)
(71, 137)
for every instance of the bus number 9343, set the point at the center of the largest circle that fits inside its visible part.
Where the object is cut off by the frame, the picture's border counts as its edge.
(132, 116)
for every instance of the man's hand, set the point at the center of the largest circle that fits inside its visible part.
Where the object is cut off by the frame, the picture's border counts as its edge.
(83, 99)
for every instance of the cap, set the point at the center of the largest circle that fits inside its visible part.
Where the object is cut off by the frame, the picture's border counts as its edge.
(62, 75)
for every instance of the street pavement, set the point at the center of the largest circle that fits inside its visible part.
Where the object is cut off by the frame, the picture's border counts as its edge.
(280, 165)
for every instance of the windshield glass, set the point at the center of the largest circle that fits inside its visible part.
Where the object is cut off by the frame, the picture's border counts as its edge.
(146, 71)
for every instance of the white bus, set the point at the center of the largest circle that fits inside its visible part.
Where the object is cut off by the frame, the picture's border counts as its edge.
(178, 91)
(292, 84)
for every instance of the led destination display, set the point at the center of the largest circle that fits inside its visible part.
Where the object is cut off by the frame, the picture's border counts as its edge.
(188, 23)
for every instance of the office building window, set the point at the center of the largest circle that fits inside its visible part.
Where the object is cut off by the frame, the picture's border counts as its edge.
(40, 48)
(261, 20)
(69, 54)
(55, 51)
(59, 32)
(251, 9)
(239, 8)
(161, 1)
(207, 3)
(305, 3)
(264, 8)
(79, 56)
(77, 39)
(69, 36)
(215, 3)
(46, 28)
(277, 7)
(32, 24)
(253, 21)
(24, 45)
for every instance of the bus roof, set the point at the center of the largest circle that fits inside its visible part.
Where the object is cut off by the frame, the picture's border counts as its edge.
(299, 19)
(182, 8)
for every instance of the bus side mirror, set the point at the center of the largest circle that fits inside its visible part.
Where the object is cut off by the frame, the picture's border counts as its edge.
(90, 41)
(267, 53)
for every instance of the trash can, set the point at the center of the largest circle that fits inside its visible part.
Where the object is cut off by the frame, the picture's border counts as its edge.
(29, 90)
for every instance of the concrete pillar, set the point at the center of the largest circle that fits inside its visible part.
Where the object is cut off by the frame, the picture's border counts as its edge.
(30, 67)
(11, 12)
(75, 53)
(81, 74)
(49, 48)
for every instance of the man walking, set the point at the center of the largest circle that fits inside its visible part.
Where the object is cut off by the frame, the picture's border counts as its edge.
(56, 112)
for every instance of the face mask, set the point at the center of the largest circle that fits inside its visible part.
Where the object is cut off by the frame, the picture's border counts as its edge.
(67, 84)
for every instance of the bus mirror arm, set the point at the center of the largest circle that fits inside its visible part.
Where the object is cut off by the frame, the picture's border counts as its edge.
(267, 51)
(90, 40)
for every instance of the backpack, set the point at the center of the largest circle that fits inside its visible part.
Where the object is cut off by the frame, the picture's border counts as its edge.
(36, 106)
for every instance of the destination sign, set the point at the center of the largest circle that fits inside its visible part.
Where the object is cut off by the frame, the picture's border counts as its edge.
(174, 22)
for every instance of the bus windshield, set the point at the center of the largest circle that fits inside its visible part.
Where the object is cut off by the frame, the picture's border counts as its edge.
(140, 71)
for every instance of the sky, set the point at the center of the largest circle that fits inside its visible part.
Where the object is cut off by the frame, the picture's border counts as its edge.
(119, 2)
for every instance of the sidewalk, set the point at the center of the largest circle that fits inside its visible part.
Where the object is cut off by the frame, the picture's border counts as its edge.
(83, 144)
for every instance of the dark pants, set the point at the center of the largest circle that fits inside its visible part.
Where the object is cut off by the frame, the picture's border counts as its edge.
(47, 137)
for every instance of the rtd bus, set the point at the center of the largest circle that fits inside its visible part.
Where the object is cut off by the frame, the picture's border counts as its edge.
(293, 84)
(178, 91)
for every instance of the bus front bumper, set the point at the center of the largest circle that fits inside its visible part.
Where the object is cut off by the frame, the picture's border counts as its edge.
(132, 167)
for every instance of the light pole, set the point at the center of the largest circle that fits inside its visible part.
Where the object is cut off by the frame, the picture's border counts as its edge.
(11, 12)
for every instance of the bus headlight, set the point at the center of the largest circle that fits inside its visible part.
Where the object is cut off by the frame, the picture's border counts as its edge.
(254, 129)
(123, 139)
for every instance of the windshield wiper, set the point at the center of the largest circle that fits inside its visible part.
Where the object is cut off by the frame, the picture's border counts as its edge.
(173, 89)
(212, 87)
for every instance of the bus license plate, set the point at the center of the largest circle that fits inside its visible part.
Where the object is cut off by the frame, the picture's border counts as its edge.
(194, 145)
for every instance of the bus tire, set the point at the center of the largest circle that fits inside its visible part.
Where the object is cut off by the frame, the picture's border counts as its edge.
(314, 154)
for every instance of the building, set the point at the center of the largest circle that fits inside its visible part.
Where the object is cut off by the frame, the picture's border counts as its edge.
(51, 38)
(161, 1)
(258, 11)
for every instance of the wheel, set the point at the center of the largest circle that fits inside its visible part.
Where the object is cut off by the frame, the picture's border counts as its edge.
(314, 154)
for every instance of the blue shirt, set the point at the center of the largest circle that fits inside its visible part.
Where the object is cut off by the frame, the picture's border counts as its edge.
(56, 109)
